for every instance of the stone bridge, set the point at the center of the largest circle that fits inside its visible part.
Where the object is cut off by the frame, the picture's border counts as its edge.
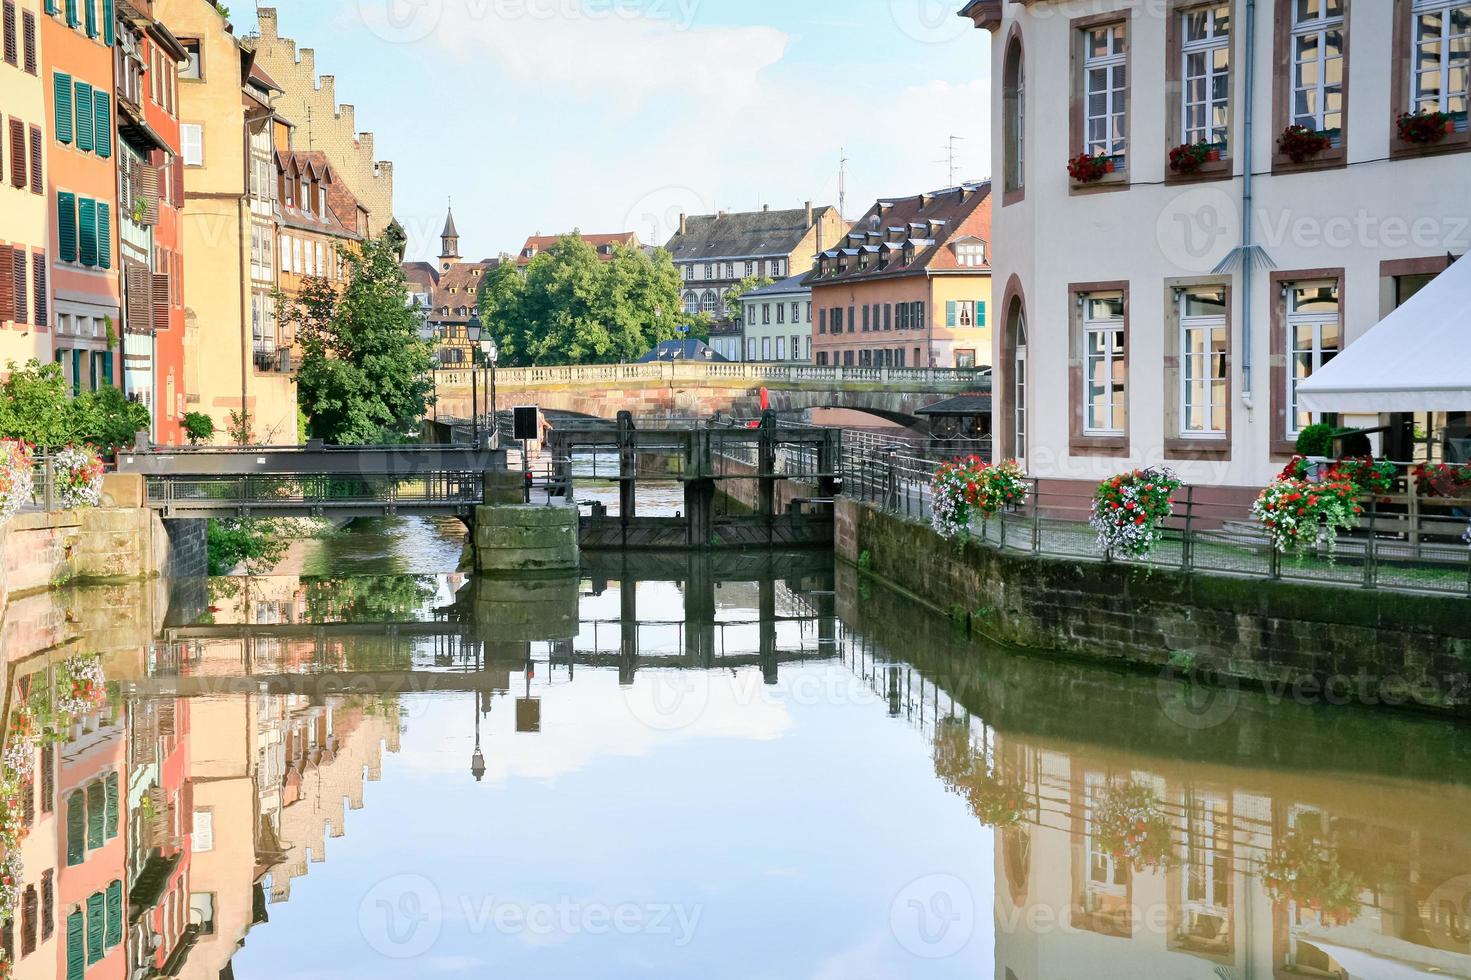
(698, 389)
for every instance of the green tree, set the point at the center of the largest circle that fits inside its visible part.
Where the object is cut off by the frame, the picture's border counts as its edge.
(198, 426)
(502, 310)
(733, 309)
(365, 370)
(641, 296)
(34, 406)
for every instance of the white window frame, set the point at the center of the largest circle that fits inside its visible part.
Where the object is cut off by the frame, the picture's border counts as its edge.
(1206, 49)
(1317, 31)
(191, 144)
(1114, 68)
(1444, 100)
(1019, 390)
(781, 348)
(1115, 364)
(1315, 351)
(1204, 363)
(750, 348)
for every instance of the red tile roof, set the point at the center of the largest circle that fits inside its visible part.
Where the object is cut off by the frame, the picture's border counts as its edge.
(540, 243)
(924, 228)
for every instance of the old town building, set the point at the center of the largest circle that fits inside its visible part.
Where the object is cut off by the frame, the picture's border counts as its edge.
(603, 245)
(77, 38)
(449, 294)
(321, 124)
(230, 280)
(909, 285)
(25, 133)
(714, 252)
(1142, 320)
(776, 324)
(319, 218)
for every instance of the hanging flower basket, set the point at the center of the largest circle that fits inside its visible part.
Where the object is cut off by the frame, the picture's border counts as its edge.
(995, 800)
(1085, 168)
(1129, 511)
(965, 488)
(1130, 825)
(78, 477)
(1307, 871)
(1187, 158)
(17, 477)
(1299, 144)
(1425, 128)
(80, 687)
(1298, 515)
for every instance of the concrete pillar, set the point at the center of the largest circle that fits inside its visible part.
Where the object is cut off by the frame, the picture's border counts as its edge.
(515, 540)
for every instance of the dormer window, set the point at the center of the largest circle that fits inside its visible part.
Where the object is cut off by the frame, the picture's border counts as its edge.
(971, 254)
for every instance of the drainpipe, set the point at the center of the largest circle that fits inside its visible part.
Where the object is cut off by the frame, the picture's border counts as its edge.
(1247, 244)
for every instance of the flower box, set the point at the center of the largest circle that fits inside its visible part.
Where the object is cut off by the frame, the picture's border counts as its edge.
(1188, 158)
(1425, 128)
(1300, 144)
(1088, 169)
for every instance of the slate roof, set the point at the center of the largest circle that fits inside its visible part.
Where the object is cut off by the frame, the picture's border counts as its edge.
(925, 225)
(421, 274)
(449, 226)
(976, 403)
(786, 287)
(742, 234)
(682, 350)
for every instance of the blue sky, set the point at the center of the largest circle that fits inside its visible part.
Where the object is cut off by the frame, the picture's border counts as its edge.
(613, 115)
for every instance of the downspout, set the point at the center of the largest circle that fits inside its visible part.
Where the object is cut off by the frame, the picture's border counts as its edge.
(1247, 244)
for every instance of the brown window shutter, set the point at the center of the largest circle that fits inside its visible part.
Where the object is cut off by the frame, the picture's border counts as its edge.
(148, 181)
(38, 276)
(22, 307)
(11, 49)
(7, 284)
(30, 39)
(138, 304)
(160, 301)
(37, 186)
(17, 153)
(125, 184)
(178, 181)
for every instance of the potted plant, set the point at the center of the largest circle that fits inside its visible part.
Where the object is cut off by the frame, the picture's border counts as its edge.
(1444, 479)
(1129, 511)
(1187, 158)
(964, 488)
(1086, 168)
(1130, 825)
(1425, 128)
(1298, 515)
(1299, 143)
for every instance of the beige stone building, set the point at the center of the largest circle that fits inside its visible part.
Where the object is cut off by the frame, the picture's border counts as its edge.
(321, 124)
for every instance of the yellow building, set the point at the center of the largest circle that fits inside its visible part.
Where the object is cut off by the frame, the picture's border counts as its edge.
(232, 333)
(24, 298)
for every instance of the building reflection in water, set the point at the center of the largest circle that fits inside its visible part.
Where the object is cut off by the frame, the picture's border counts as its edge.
(166, 811)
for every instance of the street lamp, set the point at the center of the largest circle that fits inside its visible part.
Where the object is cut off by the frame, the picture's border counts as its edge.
(477, 758)
(472, 331)
(490, 355)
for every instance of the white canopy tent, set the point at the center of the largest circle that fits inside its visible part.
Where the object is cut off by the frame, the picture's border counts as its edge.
(1417, 359)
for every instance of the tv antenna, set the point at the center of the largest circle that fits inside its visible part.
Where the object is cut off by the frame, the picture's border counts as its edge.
(950, 157)
(842, 183)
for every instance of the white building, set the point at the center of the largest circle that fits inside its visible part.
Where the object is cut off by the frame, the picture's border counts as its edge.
(1144, 319)
(777, 322)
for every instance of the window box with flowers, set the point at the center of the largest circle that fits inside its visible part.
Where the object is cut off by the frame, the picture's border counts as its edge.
(1197, 159)
(1424, 128)
(1087, 169)
(1301, 144)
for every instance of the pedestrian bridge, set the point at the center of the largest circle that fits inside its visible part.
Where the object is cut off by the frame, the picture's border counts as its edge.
(700, 389)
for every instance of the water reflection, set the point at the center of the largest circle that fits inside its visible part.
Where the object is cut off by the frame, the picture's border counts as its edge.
(748, 767)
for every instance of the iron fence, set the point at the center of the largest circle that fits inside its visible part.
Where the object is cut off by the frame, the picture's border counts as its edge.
(1201, 536)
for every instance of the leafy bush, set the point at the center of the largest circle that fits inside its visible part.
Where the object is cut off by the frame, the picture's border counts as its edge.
(199, 427)
(36, 407)
(1315, 440)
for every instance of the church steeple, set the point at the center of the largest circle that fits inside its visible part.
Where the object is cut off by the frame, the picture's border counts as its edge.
(449, 242)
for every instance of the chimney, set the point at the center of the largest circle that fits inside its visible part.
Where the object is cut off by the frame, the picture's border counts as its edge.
(765, 207)
(809, 214)
(684, 226)
(720, 214)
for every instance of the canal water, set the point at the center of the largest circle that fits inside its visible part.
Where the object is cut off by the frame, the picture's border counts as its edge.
(746, 767)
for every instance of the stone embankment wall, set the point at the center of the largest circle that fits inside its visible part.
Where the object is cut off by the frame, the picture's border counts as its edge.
(120, 541)
(1310, 643)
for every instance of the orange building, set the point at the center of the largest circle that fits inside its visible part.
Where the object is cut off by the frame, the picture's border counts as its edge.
(78, 76)
(909, 285)
(24, 296)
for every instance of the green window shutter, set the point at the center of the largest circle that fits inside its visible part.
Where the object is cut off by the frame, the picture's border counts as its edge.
(91, 18)
(103, 369)
(980, 313)
(103, 136)
(111, 784)
(66, 225)
(50, 6)
(63, 86)
(87, 223)
(76, 827)
(76, 946)
(104, 242)
(96, 923)
(95, 805)
(108, 26)
(114, 914)
(77, 390)
(72, 20)
(950, 313)
(84, 116)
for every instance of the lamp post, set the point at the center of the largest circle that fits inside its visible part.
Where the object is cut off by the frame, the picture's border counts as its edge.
(477, 758)
(472, 331)
(490, 355)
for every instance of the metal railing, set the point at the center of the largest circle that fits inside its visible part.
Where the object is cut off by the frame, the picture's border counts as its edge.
(314, 494)
(694, 372)
(1202, 536)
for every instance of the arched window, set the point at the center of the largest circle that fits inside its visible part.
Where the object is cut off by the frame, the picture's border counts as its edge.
(1017, 341)
(691, 303)
(710, 302)
(1015, 115)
